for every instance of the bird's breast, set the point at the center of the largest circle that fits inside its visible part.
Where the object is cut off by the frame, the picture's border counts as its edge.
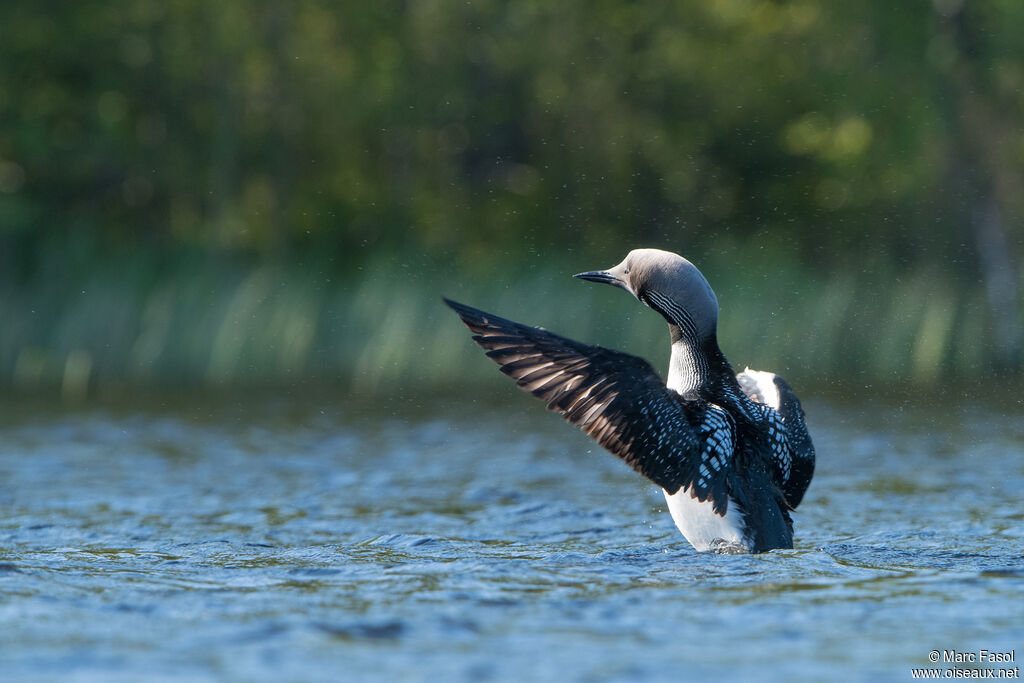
(703, 527)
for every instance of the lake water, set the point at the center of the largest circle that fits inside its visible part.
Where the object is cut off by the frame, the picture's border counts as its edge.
(300, 539)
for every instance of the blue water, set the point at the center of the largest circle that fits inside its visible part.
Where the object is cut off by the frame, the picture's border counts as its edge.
(298, 539)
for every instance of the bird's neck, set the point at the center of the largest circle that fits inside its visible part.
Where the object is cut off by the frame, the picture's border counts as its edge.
(696, 367)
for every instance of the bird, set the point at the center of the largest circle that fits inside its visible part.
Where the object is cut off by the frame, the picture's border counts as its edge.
(731, 451)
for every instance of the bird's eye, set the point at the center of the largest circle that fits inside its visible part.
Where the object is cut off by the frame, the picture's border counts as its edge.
(626, 271)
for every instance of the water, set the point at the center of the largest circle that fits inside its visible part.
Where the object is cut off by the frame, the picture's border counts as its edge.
(288, 539)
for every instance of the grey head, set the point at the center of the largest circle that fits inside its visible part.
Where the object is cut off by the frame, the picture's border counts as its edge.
(667, 283)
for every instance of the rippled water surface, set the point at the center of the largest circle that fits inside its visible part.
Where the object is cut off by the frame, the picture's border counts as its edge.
(288, 539)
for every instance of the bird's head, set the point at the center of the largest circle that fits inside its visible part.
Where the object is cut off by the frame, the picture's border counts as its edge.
(669, 284)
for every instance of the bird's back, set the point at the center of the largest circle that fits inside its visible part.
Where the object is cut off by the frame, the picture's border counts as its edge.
(793, 451)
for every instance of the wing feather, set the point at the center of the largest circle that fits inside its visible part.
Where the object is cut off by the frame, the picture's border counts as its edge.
(617, 399)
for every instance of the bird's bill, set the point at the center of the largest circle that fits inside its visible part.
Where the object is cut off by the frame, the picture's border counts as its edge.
(616, 277)
(600, 276)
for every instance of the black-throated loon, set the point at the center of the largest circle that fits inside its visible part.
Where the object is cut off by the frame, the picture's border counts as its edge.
(731, 452)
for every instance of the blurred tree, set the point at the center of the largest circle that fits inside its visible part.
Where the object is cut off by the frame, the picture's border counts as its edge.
(984, 76)
(486, 129)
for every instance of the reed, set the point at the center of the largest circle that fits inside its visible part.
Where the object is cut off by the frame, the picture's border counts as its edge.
(210, 324)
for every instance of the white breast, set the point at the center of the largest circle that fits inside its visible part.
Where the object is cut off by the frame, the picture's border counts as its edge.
(704, 529)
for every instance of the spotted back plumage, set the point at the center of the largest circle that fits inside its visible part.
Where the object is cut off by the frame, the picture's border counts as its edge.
(792, 451)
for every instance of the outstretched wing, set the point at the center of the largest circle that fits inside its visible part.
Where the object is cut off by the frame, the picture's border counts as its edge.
(793, 453)
(617, 399)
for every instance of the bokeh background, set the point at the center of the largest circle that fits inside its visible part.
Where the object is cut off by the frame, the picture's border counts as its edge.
(277, 194)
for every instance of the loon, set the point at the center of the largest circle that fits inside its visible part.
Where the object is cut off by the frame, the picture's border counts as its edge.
(731, 452)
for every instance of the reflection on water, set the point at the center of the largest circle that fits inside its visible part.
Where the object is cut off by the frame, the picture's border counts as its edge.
(280, 540)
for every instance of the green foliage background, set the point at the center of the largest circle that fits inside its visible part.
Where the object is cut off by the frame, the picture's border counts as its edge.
(242, 192)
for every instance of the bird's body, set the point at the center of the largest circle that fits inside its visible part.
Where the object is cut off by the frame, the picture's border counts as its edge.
(731, 452)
